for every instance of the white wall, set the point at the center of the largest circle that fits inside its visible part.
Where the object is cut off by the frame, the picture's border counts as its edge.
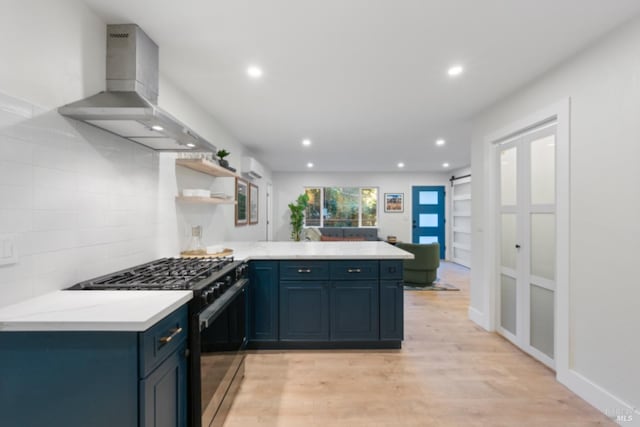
(603, 84)
(287, 187)
(81, 202)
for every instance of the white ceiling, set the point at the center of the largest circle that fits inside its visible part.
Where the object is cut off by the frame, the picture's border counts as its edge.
(365, 80)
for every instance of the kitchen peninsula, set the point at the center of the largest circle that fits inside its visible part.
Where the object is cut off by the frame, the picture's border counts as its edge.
(324, 294)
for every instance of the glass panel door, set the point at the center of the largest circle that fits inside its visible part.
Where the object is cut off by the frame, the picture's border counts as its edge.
(508, 228)
(428, 215)
(527, 241)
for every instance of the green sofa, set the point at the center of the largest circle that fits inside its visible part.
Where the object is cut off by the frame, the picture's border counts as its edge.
(423, 269)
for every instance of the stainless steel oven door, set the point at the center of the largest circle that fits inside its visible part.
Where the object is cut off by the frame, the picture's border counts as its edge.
(222, 344)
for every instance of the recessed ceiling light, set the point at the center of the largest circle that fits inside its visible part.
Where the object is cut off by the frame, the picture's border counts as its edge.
(455, 70)
(190, 145)
(440, 142)
(157, 127)
(254, 72)
(306, 142)
(445, 165)
(400, 165)
(309, 165)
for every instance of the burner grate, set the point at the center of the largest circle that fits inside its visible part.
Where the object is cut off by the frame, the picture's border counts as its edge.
(166, 273)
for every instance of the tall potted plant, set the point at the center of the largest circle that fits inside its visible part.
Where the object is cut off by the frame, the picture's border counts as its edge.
(297, 215)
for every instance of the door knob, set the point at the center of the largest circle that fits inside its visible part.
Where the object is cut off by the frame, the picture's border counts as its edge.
(517, 246)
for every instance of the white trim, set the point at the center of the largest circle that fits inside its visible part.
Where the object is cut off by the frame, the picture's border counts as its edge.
(598, 397)
(477, 317)
(560, 113)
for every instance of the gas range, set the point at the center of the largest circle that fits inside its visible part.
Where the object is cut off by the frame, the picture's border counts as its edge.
(208, 278)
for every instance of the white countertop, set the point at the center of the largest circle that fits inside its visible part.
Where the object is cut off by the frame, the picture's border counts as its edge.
(138, 310)
(92, 310)
(315, 250)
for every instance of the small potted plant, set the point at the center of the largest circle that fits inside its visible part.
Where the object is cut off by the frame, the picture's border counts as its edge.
(221, 155)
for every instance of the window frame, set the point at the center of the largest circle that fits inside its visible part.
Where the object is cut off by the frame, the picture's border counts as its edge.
(360, 188)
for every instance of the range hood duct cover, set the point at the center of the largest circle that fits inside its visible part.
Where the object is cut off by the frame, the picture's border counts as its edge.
(128, 107)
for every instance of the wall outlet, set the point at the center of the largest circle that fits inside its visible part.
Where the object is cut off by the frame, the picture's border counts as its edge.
(8, 249)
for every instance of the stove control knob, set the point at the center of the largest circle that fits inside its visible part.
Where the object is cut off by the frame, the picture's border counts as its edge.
(217, 289)
(205, 297)
(211, 295)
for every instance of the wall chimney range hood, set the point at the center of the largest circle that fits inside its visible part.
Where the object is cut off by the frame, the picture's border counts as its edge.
(128, 107)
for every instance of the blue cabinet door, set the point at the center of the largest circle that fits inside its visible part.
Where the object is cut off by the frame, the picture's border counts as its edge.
(263, 301)
(163, 393)
(304, 310)
(354, 310)
(391, 310)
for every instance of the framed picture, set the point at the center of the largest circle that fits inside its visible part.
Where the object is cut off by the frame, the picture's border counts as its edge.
(394, 202)
(253, 204)
(242, 202)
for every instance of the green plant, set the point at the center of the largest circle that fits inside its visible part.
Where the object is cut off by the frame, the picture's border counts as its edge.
(222, 154)
(297, 209)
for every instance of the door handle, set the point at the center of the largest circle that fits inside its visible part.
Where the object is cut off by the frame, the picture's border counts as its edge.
(517, 246)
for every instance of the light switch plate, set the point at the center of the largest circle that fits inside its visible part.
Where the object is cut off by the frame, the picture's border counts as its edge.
(8, 249)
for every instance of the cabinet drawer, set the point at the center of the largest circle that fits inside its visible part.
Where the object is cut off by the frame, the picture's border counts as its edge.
(353, 270)
(390, 269)
(304, 270)
(162, 339)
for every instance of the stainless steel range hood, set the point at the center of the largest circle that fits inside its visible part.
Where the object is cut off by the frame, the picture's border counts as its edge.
(128, 107)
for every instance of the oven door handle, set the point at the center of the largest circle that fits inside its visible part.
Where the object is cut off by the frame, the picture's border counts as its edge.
(209, 314)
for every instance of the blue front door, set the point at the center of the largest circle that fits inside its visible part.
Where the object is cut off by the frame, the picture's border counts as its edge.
(428, 215)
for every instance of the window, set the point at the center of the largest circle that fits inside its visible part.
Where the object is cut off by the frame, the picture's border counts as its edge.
(342, 207)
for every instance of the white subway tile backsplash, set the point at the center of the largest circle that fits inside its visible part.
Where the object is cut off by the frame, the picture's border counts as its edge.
(13, 111)
(54, 199)
(16, 290)
(15, 220)
(49, 241)
(48, 220)
(62, 158)
(13, 197)
(47, 178)
(81, 201)
(91, 218)
(53, 280)
(15, 151)
(16, 174)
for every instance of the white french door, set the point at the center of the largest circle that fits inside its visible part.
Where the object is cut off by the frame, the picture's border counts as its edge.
(527, 241)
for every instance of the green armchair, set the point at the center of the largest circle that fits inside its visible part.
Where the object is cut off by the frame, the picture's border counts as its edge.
(423, 269)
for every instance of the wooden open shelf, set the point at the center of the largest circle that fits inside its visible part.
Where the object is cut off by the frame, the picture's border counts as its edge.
(206, 166)
(210, 200)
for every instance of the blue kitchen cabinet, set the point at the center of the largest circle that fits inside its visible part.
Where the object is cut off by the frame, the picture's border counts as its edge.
(354, 310)
(391, 310)
(163, 394)
(95, 378)
(304, 310)
(391, 301)
(263, 301)
(326, 304)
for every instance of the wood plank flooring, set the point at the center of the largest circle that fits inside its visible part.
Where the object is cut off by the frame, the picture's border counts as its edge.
(449, 373)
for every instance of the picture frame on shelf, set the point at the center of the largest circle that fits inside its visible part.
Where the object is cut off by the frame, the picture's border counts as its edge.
(394, 202)
(242, 202)
(253, 204)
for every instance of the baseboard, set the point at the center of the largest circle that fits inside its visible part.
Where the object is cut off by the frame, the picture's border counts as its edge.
(477, 316)
(619, 411)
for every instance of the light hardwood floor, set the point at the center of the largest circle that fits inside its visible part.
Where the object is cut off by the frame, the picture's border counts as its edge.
(449, 372)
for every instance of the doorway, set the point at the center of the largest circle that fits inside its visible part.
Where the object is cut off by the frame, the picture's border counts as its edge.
(428, 219)
(527, 241)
